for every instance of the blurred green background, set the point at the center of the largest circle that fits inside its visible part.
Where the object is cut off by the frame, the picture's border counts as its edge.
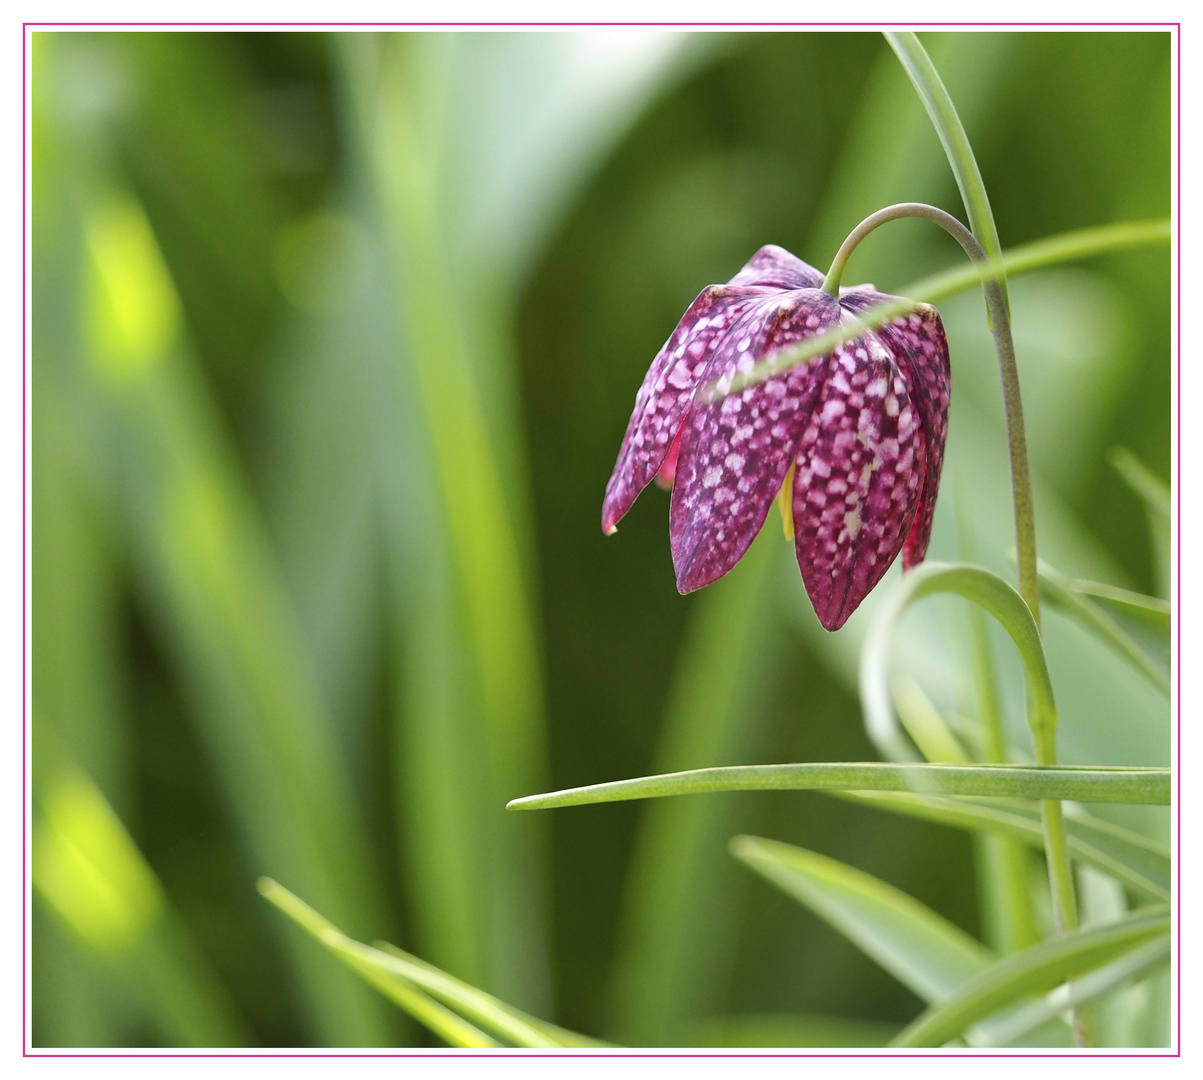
(335, 339)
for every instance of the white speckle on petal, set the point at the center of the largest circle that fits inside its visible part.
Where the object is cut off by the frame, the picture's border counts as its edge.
(834, 409)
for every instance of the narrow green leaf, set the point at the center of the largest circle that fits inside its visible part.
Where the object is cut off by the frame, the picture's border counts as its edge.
(1081, 605)
(951, 131)
(1155, 495)
(1066, 247)
(981, 587)
(1004, 890)
(1051, 251)
(925, 725)
(444, 1023)
(514, 1024)
(1151, 610)
(413, 984)
(1139, 854)
(1153, 491)
(1133, 966)
(469, 718)
(1034, 970)
(923, 950)
(94, 878)
(680, 887)
(1110, 784)
(1138, 862)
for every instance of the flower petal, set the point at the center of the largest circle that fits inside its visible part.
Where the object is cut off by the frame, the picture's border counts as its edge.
(668, 469)
(667, 391)
(773, 265)
(734, 453)
(860, 467)
(920, 350)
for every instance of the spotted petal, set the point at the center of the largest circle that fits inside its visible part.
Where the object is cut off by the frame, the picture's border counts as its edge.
(774, 266)
(667, 391)
(734, 454)
(920, 350)
(860, 467)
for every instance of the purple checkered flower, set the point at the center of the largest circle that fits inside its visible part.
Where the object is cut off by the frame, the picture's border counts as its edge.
(862, 428)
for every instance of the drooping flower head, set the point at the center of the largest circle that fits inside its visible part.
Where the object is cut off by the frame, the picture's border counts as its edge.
(863, 428)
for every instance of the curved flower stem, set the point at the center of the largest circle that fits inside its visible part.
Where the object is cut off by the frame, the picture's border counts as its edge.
(1021, 483)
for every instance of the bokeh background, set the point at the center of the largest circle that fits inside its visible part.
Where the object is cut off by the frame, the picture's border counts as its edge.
(335, 338)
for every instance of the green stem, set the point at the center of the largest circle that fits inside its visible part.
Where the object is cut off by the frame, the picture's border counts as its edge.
(936, 100)
(951, 132)
(1002, 862)
(1065, 911)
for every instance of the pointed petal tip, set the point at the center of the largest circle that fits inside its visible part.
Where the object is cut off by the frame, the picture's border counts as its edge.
(696, 567)
(831, 615)
(610, 517)
(688, 578)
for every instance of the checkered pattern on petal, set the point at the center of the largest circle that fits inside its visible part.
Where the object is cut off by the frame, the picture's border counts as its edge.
(734, 453)
(860, 467)
(920, 350)
(667, 391)
(865, 427)
(776, 267)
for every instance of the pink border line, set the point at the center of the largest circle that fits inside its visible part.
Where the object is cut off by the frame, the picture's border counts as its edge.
(26, 366)
(1178, 561)
(26, 1051)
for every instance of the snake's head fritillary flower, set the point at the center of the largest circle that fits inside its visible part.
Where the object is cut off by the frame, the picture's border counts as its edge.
(863, 428)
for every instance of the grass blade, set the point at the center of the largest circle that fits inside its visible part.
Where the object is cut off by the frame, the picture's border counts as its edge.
(442, 1021)
(412, 984)
(1065, 247)
(925, 725)
(1149, 610)
(213, 586)
(680, 888)
(1035, 970)
(1139, 962)
(1004, 887)
(516, 1025)
(1155, 494)
(1072, 246)
(921, 949)
(981, 587)
(1084, 602)
(943, 113)
(1153, 491)
(1114, 785)
(1140, 863)
(91, 874)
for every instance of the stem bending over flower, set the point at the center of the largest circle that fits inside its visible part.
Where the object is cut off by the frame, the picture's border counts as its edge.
(862, 427)
(1000, 324)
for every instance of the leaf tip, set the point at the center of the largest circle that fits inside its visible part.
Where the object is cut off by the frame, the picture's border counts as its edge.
(744, 847)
